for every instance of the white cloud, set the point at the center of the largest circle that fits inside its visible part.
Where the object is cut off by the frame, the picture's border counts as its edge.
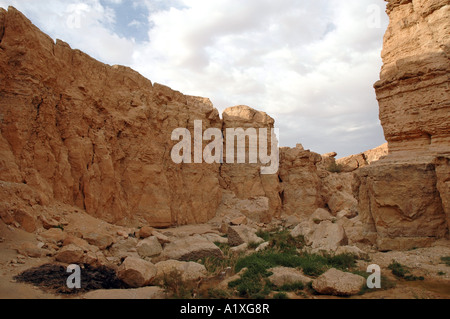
(310, 64)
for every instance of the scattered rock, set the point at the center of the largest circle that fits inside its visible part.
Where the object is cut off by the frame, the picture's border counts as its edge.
(123, 234)
(124, 248)
(54, 235)
(80, 243)
(287, 276)
(239, 249)
(215, 238)
(353, 250)
(328, 237)
(321, 215)
(239, 221)
(163, 239)
(100, 240)
(48, 223)
(70, 254)
(291, 221)
(238, 235)
(136, 272)
(325, 236)
(149, 247)
(145, 232)
(29, 249)
(347, 213)
(188, 270)
(191, 248)
(305, 229)
(338, 283)
(25, 219)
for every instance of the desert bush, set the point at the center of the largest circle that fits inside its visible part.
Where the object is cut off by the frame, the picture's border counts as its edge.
(401, 271)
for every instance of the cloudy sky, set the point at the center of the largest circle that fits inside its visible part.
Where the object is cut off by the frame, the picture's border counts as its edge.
(310, 64)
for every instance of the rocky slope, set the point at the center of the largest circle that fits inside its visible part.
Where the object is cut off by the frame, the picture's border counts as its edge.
(403, 199)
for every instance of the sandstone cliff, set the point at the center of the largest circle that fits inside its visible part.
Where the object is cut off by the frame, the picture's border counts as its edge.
(403, 199)
(97, 137)
(353, 162)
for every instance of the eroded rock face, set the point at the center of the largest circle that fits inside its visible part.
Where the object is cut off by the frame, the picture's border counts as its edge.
(245, 180)
(99, 137)
(402, 198)
(95, 136)
(413, 90)
(299, 181)
(353, 162)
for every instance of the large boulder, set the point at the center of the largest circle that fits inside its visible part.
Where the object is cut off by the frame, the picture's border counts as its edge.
(328, 236)
(338, 283)
(99, 239)
(136, 272)
(124, 248)
(325, 236)
(191, 248)
(287, 276)
(321, 215)
(149, 247)
(70, 254)
(189, 271)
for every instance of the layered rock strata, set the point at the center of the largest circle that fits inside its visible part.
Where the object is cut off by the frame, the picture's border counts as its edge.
(403, 199)
(97, 137)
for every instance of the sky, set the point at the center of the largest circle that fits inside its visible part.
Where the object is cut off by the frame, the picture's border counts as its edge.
(310, 64)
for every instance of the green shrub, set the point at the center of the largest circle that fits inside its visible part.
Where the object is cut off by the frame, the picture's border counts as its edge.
(280, 295)
(402, 271)
(282, 240)
(215, 265)
(292, 287)
(282, 251)
(446, 260)
(253, 282)
(176, 287)
(214, 293)
(264, 234)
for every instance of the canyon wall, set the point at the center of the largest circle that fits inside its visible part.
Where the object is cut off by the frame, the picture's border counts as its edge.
(403, 198)
(95, 136)
(99, 138)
